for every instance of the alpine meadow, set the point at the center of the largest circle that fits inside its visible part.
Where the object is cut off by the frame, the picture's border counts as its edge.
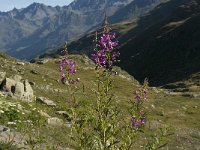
(100, 75)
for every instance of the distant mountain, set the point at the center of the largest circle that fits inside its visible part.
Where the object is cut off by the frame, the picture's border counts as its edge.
(135, 9)
(29, 32)
(163, 45)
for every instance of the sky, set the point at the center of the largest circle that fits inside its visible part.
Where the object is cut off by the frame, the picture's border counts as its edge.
(6, 5)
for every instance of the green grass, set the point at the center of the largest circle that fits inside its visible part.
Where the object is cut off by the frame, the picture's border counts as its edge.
(182, 113)
(7, 146)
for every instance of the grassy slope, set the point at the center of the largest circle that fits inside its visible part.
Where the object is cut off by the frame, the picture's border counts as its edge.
(178, 111)
(163, 45)
(167, 50)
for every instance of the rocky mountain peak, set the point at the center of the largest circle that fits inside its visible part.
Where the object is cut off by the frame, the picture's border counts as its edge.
(93, 5)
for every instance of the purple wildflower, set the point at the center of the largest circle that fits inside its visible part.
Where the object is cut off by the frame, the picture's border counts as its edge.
(100, 58)
(71, 67)
(72, 81)
(145, 92)
(141, 94)
(137, 122)
(106, 55)
(137, 95)
(70, 70)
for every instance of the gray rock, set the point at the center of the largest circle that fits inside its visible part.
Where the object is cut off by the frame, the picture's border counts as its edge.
(28, 95)
(2, 76)
(34, 72)
(3, 128)
(32, 83)
(184, 108)
(196, 95)
(55, 122)
(16, 89)
(64, 114)
(19, 90)
(17, 78)
(42, 61)
(21, 63)
(9, 84)
(46, 101)
(8, 135)
(155, 90)
(44, 114)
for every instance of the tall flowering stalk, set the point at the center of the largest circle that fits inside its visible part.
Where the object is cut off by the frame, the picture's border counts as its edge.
(110, 134)
(105, 124)
(68, 70)
(105, 56)
(137, 110)
(136, 121)
(101, 127)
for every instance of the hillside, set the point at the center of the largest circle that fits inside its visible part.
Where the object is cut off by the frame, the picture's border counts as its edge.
(171, 50)
(171, 36)
(44, 78)
(96, 108)
(29, 32)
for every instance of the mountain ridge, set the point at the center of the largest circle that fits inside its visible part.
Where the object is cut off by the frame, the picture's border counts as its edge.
(162, 45)
(40, 25)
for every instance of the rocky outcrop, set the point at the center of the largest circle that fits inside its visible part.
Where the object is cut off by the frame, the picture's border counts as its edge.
(21, 63)
(65, 114)
(17, 78)
(18, 89)
(42, 61)
(9, 135)
(46, 101)
(55, 122)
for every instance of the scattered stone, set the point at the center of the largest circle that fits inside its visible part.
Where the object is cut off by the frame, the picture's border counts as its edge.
(44, 114)
(184, 108)
(9, 84)
(17, 78)
(56, 90)
(161, 113)
(34, 72)
(19, 90)
(21, 63)
(176, 93)
(64, 114)
(32, 83)
(195, 95)
(68, 124)
(13, 68)
(7, 135)
(42, 61)
(195, 107)
(46, 101)
(3, 128)
(155, 90)
(55, 121)
(28, 94)
(153, 106)
(2, 76)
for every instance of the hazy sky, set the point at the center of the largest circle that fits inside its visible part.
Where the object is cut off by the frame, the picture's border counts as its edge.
(6, 5)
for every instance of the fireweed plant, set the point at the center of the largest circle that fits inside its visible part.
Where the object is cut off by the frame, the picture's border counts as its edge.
(102, 126)
(77, 119)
